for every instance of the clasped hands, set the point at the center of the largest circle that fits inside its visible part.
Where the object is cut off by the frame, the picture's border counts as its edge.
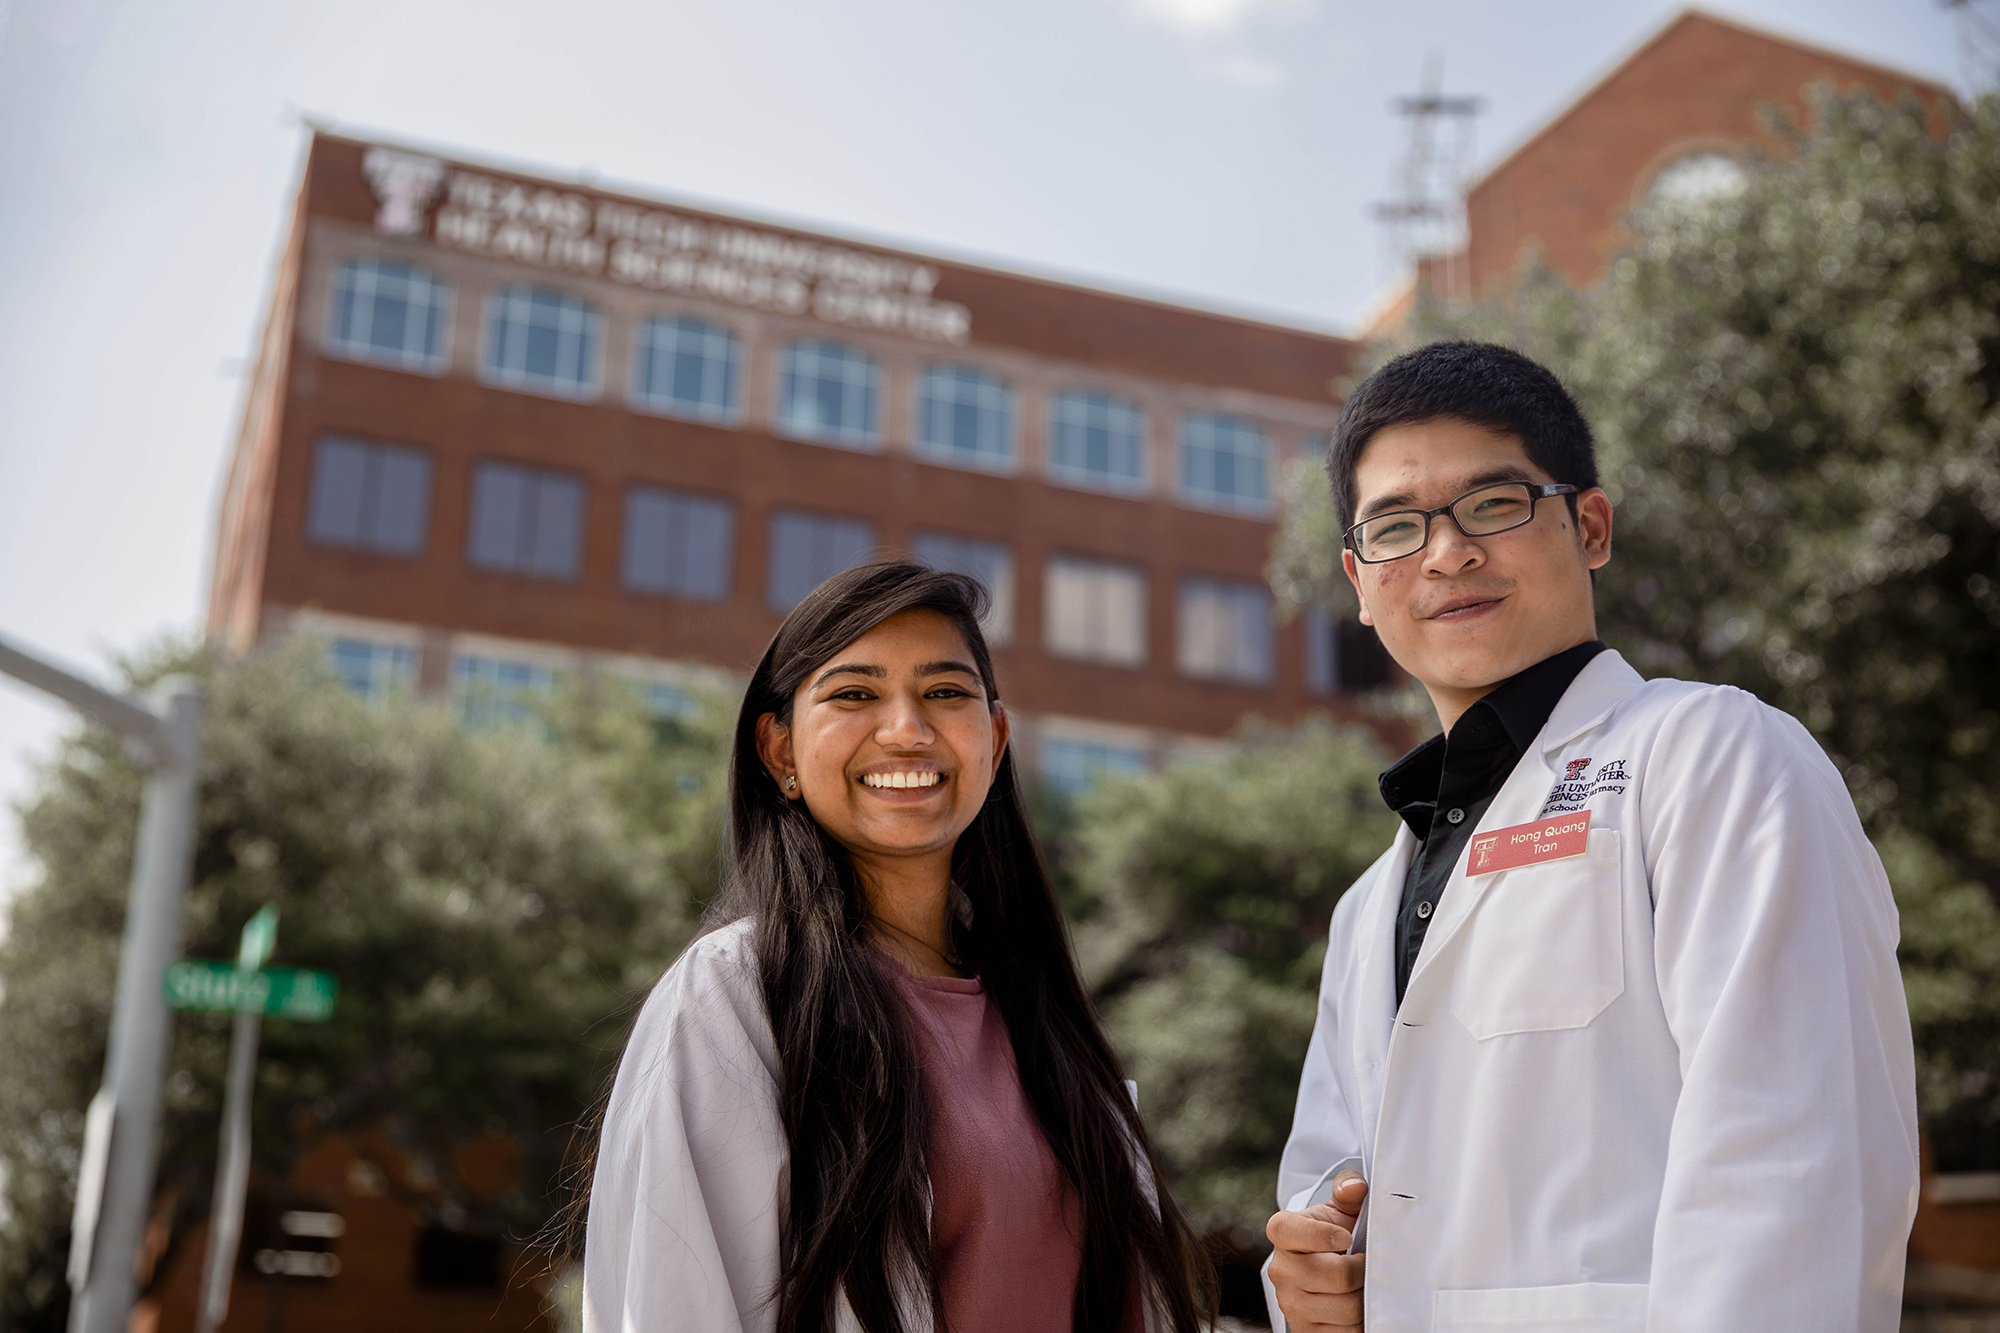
(1318, 1282)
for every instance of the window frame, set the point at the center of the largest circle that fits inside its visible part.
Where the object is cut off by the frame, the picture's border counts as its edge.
(644, 353)
(525, 381)
(536, 476)
(778, 521)
(1003, 606)
(1079, 478)
(368, 354)
(1218, 501)
(375, 456)
(1099, 566)
(636, 493)
(1236, 592)
(863, 440)
(965, 375)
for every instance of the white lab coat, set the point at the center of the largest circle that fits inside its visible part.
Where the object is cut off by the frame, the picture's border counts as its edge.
(1666, 1086)
(686, 1206)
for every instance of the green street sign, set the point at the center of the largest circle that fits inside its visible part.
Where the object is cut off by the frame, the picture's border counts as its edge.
(281, 992)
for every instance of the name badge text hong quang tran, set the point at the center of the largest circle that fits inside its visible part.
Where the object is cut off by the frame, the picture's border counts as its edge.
(1551, 839)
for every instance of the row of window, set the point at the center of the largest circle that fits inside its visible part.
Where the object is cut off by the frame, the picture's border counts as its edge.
(543, 341)
(530, 521)
(491, 692)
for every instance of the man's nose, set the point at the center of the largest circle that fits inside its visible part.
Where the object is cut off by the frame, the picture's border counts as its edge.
(1449, 551)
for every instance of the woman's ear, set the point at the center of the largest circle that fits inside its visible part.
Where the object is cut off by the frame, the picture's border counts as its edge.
(1002, 729)
(774, 749)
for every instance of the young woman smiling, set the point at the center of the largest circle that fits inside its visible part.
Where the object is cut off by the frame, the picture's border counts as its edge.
(875, 1095)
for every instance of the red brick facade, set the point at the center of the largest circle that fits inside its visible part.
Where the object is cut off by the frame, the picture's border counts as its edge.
(1699, 85)
(1040, 337)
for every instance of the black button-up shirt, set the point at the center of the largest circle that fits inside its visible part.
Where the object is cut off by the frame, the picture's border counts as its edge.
(1442, 788)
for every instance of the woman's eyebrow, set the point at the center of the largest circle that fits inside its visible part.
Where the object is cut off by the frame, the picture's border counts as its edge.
(945, 668)
(849, 669)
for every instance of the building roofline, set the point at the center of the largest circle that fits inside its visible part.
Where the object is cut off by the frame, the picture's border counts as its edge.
(989, 266)
(1659, 34)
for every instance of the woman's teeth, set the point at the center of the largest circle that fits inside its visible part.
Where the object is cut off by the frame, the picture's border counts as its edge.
(902, 779)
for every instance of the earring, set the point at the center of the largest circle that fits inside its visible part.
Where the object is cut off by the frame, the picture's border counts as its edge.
(791, 782)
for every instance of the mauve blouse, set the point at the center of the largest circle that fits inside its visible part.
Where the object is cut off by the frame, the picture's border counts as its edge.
(1005, 1226)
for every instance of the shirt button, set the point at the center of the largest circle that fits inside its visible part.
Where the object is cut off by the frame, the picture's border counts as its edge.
(1454, 816)
(1423, 911)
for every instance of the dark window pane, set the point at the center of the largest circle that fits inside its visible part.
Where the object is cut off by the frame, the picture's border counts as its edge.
(340, 470)
(709, 533)
(401, 496)
(555, 527)
(808, 549)
(499, 503)
(648, 522)
(453, 1259)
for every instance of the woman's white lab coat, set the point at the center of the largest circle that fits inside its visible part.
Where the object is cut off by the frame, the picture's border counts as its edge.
(686, 1206)
(1666, 1086)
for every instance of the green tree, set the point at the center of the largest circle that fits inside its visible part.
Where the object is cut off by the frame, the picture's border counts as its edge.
(1796, 391)
(1202, 895)
(492, 904)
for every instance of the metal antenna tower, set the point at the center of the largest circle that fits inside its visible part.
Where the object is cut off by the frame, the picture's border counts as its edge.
(1426, 225)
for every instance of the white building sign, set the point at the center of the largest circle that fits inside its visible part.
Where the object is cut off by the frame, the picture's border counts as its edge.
(668, 251)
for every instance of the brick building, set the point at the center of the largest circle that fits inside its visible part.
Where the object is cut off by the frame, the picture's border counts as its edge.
(1675, 117)
(503, 427)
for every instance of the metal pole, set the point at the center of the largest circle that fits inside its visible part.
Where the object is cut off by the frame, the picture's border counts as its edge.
(104, 1273)
(232, 1176)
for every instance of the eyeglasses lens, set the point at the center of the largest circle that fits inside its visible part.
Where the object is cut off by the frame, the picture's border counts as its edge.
(1480, 513)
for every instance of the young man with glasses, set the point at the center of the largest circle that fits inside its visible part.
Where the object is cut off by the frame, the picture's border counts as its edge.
(1612, 1039)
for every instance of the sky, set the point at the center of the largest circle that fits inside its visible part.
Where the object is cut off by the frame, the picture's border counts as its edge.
(1220, 152)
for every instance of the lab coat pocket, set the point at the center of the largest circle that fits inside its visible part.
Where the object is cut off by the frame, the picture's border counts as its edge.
(1582, 1307)
(1544, 948)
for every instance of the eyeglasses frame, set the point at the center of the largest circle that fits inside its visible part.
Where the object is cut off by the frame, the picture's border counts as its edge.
(1537, 491)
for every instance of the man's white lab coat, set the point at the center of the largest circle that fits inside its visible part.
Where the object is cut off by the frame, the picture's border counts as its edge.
(1664, 1086)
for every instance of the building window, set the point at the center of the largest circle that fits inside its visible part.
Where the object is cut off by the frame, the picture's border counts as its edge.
(542, 341)
(1314, 446)
(677, 544)
(989, 562)
(1223, 463)
(388, 313)
(809, 549)
(1096, 611)
(827, 392)
(526, 520)
(1097, 441)
(494, 692)
(965, 417)
(668, 703)
(1342, 656)
(374, 670)
(1225, 631)
(376, 497)
(687, 368)
(1072, 765)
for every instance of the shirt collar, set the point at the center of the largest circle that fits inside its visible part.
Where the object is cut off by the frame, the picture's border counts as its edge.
(1522, 704)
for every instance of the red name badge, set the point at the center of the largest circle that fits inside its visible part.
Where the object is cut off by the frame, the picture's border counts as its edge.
(1529, 844)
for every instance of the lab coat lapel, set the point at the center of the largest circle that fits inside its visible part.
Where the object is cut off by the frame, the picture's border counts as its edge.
(1374, 986)
(1604, 681)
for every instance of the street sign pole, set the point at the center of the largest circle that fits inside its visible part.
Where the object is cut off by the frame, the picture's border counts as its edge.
(115, 1178)
(232, 1167)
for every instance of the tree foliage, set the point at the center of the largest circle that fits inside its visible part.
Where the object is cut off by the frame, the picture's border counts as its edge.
(492, 904)
(1796, 391)
(1204, 893)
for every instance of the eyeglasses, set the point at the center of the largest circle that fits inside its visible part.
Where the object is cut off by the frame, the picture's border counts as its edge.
(1480, 513)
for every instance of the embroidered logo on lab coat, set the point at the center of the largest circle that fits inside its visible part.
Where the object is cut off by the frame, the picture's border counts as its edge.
(1574, 789)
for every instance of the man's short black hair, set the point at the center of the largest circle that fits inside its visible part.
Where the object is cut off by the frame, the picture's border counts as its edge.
(1478, 383)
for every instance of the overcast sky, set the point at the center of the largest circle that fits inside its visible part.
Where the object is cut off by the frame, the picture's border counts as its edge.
(1223, 152)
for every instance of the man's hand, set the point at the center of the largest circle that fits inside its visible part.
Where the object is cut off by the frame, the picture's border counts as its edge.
(1318, 1282)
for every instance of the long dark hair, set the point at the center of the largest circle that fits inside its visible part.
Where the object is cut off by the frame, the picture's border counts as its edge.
(856, 1213)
